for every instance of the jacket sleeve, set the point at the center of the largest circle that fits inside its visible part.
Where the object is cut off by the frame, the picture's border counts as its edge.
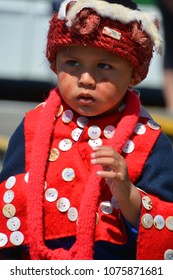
(157, 174)
(14, 161)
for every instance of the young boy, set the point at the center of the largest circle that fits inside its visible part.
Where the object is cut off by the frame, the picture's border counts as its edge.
(88, 173)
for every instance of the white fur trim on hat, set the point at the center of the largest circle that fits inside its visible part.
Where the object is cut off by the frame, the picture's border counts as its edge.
(114, 12)
(62, 10)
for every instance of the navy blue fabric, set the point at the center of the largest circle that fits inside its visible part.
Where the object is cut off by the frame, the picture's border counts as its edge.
(13, 253)
(103, 250)
(157, 175)
(14, 161)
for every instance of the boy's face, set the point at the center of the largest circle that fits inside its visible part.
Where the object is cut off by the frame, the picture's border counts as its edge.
(92, 81)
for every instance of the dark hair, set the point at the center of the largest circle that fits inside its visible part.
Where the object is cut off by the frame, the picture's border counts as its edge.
(127, 3)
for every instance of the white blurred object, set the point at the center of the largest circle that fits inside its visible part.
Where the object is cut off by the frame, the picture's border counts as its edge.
(23, 31)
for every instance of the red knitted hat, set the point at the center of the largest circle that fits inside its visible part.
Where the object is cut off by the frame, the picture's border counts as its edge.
(129, 33)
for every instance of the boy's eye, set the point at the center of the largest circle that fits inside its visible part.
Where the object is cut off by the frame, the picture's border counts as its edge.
(73, 63)
(104, 66)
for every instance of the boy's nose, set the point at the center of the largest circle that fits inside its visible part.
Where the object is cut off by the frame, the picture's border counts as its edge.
(87, 79)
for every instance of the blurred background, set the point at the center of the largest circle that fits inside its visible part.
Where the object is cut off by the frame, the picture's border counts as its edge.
(25, 76)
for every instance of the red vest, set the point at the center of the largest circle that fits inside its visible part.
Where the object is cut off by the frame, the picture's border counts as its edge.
(67, 172)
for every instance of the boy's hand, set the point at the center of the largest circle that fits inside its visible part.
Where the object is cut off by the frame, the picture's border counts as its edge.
(115, 172)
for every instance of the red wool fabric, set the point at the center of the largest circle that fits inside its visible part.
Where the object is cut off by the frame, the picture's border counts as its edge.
(83, 247)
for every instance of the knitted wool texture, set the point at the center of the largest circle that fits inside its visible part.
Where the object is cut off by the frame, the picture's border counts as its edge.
(83, 247)
(135, 45)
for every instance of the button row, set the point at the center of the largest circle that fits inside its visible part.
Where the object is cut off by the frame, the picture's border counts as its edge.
(62, 204)
(9, 210)
(158, 221)
(66, 144)
(67, 117)
(16, 238)
(94, 133)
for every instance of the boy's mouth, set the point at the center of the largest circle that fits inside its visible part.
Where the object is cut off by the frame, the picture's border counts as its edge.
(86, 99)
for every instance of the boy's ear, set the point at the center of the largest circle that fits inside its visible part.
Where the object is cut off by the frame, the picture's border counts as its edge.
(135, 79)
